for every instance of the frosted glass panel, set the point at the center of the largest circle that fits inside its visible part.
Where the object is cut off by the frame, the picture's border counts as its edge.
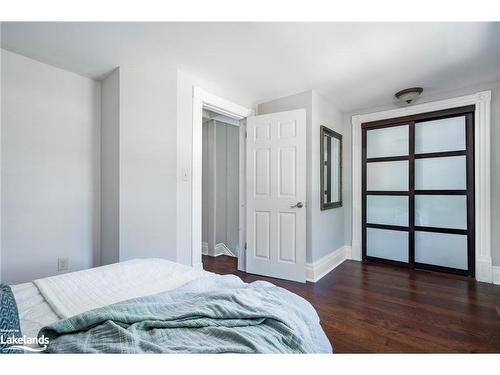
(387, 244)
(440, 173)
(385, 209)
(440, 135)
(441, 249)
(388, 175)
(387, 142)
(442, 211)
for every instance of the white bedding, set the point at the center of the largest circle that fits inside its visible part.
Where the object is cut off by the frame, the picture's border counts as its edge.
(47, 300)
(34, 311)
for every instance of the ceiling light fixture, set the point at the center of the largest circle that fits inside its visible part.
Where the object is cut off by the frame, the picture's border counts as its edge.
(409, 95)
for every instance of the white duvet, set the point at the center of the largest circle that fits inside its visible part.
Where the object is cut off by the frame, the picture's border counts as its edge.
(47, 300)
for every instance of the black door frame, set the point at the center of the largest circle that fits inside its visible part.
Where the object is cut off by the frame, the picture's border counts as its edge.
(468, 112)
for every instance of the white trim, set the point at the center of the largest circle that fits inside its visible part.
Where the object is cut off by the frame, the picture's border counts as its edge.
(242, 217)
(482, 124)
(496, 275)
(204, 248)
(214, 103)
(222, 249)
(220, 105)
(223, 119)
(316, 270)
(348, 252)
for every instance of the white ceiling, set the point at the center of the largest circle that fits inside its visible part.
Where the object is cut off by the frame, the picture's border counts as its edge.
(354, 65)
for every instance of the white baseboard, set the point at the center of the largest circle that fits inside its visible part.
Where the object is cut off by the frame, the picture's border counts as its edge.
(222, 249)
(316, 270)
(484, 269)
(204, 248)
(348, 252)
(496, 274)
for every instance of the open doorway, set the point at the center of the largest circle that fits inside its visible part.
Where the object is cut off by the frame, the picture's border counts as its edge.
(203, 101)
(271, 189)
(220, 186)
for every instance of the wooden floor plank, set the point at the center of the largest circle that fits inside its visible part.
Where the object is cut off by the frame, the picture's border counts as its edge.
(376, 308)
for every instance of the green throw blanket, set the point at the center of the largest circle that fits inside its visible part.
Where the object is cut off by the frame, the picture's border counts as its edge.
(216, 314)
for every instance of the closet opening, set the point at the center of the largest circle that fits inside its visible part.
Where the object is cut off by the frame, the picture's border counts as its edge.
(220, 187)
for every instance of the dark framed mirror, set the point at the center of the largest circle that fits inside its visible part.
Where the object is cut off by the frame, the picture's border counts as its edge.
(331, 169)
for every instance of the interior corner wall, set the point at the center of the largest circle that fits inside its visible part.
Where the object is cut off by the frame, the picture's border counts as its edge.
(110, 164)
(328, 232)
(50, 151)
(495, 156)
(147, 165)
(347, 178)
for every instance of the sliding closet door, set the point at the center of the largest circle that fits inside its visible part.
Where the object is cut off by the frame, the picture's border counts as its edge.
(444, 199)
(386, 186)
(418, 191)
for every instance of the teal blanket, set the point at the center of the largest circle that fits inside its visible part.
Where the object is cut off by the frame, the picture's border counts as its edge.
(216, 314)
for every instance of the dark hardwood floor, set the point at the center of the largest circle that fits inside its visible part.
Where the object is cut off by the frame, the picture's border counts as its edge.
(375, 308)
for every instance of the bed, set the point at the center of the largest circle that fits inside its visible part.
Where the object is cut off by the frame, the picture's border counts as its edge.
(158, 306)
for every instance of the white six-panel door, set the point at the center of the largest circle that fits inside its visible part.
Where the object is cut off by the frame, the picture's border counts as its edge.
(276, 193)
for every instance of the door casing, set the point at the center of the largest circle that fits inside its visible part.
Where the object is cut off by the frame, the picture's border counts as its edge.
(203, 99)
(482, 164)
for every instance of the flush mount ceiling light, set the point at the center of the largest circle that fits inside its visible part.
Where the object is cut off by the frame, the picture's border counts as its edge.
(409, 95)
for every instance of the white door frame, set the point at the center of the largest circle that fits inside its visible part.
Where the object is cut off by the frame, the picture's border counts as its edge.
(203, 99)
(482, 124)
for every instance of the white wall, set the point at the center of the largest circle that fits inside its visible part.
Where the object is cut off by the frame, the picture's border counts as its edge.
(148, 165)
(325, 229)
(50, 169)
(220, 198)
(110, 166)
(495, 156)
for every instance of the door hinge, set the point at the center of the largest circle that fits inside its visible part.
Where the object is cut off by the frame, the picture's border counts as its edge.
(245, 134)
(245, 247)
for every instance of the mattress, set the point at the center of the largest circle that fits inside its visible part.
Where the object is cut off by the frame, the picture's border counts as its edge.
(45, 301)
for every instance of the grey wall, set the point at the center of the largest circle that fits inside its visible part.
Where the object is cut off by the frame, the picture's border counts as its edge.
(110, 163)
(328, 225)
(50, 169)
(495, 157)
(220, 199)
(325, 229)
(232, 187)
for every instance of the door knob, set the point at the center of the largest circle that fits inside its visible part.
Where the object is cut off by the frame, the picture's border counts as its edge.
(298, 205)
